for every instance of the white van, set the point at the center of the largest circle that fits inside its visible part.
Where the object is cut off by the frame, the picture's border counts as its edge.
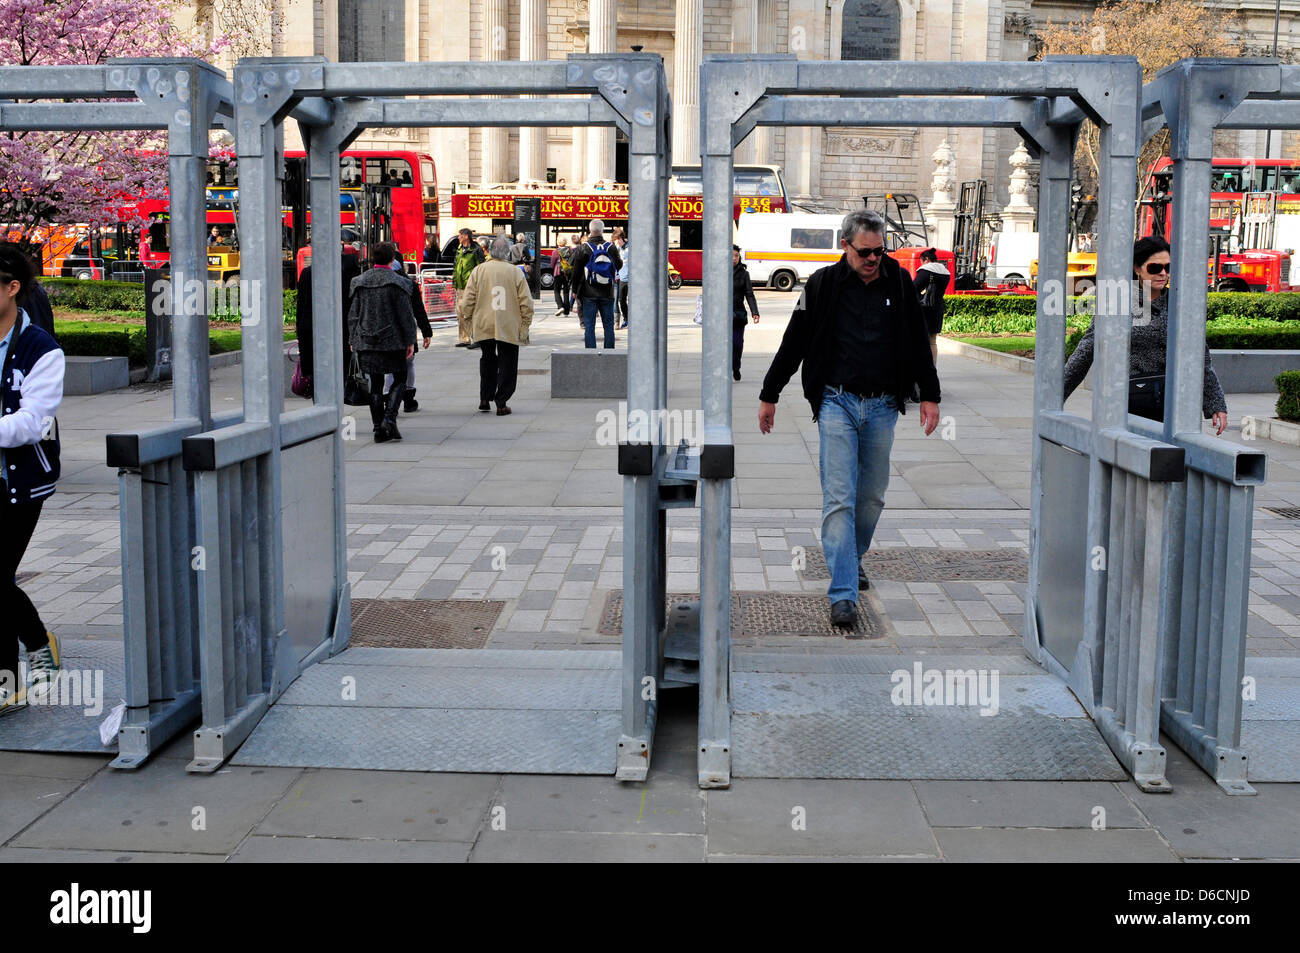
(1010, 254)
(783, 249)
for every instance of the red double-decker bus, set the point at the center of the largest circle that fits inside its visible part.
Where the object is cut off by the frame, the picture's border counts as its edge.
(567, 212)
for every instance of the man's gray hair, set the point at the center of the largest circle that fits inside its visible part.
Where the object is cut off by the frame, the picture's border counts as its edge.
(500, 248)
(862, 220)
(596, 227)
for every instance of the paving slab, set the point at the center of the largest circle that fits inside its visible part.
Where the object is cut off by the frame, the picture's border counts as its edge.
(549, 847)
(993, 845)
(1061, 804)
(75, 767)
(25, 799)
(28, 855)
(383, 805)
(851, 818)
(259, 849)
(153, 809)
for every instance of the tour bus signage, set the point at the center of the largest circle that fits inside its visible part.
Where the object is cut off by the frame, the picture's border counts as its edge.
(469, 205)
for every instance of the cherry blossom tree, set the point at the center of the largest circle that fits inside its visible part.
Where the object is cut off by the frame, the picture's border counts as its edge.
(83, 177)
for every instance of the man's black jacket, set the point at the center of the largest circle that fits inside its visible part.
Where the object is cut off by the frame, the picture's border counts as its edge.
(810, 338)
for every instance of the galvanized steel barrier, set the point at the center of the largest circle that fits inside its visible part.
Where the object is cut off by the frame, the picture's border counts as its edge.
(1207, 584)
(183, 98)
(244, 474)
(1116, 668)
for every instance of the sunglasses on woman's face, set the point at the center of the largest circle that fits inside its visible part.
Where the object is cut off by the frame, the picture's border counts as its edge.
(1156, 268)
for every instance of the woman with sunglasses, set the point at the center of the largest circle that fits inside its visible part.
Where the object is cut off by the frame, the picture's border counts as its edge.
(1147, 342)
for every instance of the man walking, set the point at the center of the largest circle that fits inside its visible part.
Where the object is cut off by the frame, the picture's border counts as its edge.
(498, 306)
(561, 269)
(595, 265)
(860, 336)
(382, 328)
(468, 257)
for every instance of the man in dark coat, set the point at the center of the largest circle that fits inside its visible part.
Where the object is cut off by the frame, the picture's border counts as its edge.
(382, 332)
(858, 332)
(350, 269)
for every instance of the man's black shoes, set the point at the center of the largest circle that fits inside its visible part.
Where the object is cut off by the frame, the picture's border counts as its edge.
(844, 614)
(863, 581)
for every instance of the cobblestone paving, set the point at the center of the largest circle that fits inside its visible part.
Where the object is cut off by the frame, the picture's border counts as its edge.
(554, 568)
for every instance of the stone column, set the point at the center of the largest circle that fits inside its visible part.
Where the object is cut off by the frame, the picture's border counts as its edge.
(764, 42)
(532, 46)
(803, 144)
(688, 50)
(602, 37)
(1018, 216)
(496, 41)
(744, 39)
(940, 213)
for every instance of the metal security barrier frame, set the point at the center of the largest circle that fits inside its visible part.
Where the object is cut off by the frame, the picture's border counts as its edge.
(1115, 671)
(184, 98)
(1207, 585)
(239, 471)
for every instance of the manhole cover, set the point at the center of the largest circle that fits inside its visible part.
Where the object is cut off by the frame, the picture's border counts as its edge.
(759, 614)
(931, 564)
(1286, 512)
(423, 623)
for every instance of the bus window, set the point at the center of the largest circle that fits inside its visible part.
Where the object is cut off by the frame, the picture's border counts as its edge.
(1227, 180)
(221, 174)
(429, 179)
(395, 173)
(158, 236)
(349, 172)
(812, 237)
(757, 182)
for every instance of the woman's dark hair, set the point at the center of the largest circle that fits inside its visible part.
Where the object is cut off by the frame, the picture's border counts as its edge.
(15, 266)
(929, 254)
(1144, 248)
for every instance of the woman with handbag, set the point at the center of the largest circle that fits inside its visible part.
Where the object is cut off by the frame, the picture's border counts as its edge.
(1147, 343)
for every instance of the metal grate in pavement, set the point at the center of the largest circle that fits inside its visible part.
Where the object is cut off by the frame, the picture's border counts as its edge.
(759, 614)
(931, 564)
(532, 371)
(1286, 512)
(423, 623)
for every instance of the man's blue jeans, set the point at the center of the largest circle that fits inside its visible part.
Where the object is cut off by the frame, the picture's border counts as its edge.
(606, 308)
(856, 436)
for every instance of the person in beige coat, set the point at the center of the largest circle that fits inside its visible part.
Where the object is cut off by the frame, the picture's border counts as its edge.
(498, 308)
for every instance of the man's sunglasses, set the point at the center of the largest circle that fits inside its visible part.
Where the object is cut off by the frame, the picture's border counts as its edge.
(878, 252)
(1156, 268)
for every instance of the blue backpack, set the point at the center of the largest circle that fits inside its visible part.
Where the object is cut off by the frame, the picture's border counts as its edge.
(600, 267)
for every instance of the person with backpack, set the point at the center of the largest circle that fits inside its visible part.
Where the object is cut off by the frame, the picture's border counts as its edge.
(595, 266)
(562, 269)
(468, 257)
(31, 389)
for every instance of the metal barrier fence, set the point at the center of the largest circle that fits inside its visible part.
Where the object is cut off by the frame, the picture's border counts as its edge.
(245, 475)
(1207, 583)
(185, 98)
(1114, 663)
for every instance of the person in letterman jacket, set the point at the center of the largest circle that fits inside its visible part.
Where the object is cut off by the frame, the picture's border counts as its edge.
(31, 389)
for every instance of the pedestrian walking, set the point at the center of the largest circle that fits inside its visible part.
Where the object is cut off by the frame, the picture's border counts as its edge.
(469, 255)
(409, 404)
(521, 254)
(1147, 344)
(31, 389)
(742, 293)
(349, 269)
(499, 308)
(860, 337)
(595, 265)
(383, 335)
(931, 283)
(620, 242)
(562, 270)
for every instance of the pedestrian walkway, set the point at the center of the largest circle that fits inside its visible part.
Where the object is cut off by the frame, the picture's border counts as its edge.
(523, 513)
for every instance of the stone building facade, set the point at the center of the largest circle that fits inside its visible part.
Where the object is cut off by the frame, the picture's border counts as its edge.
(832, 167)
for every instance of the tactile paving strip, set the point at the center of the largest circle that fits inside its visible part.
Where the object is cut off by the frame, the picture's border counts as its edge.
(67, 726)
(931, 564)
(535, 712)
(423, 623)
(759, 614)
(805, 725)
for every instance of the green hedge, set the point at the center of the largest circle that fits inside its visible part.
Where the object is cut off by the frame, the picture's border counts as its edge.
(1014, 314)
(71, 294)
(1288, 395)
(89, 339)
(1266, 307)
